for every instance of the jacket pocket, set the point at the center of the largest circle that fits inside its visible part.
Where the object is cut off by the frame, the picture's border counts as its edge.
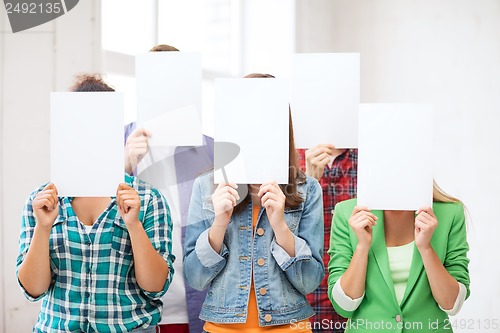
(208, 208)
(292, 217)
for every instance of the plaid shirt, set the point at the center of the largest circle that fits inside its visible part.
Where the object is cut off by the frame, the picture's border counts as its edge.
(93, 286)
(339, 183)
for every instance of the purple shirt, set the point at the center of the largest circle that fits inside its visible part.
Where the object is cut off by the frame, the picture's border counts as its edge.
(190, 162)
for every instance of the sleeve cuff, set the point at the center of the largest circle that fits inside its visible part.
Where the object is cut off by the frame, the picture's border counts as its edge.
(302, 252)
(28, 296)
(169, 258)
(155, 295)
(462, 293)
(344, 301)
(206, 254)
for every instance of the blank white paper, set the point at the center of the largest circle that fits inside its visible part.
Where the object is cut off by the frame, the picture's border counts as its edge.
(325, 99)
(166, 132)
(86, 143)
(167, 83)
(253, 114)
(395, 166)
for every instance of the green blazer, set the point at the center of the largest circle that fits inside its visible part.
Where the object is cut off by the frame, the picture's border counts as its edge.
(379, 311)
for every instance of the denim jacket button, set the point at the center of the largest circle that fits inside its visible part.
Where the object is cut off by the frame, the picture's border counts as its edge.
(262, 291)
(268, 317)
(261, 262)
(260, 231)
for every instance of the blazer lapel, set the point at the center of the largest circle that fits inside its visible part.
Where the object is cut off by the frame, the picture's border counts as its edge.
(379, 250)
(415, 271)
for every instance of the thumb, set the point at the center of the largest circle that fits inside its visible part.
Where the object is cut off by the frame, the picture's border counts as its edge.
(146, 132)
(123, 186)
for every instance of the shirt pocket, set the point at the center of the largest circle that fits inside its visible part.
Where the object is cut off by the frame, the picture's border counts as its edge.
(121, 250)
(58, 247)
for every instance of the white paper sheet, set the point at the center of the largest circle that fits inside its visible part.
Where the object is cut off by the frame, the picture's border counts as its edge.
(166, 131)
(325, 99)
(168, 82)
(86, 141)
(252, 113)
(395, 166)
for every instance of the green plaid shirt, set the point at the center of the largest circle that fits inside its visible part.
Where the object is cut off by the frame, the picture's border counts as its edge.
(93, 286)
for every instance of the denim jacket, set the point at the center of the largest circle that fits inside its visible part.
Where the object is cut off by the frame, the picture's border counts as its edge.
(285, 280)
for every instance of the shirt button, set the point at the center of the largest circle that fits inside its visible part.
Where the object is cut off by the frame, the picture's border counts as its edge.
(261, 262)
(398, 318)
(268, 317)
(260, 231)
(262, 291)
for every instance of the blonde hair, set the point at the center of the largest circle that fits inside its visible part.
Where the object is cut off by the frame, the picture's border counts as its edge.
(438, 195)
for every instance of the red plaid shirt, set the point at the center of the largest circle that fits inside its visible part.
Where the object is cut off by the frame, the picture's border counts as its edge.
(339, 183)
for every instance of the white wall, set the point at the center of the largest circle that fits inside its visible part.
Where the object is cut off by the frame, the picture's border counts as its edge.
(268, 28)
(444, 52)
(34, 63)
(2, 298)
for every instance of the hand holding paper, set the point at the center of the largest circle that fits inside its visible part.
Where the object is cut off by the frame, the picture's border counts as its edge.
(224, 200)
(317, 158)
(361, 222)
(129, 204)
(45, 206)
(273, 200)
(425, 224)
(135, 148)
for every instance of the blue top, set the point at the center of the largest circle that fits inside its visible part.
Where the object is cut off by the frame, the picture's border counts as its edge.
(227, 274)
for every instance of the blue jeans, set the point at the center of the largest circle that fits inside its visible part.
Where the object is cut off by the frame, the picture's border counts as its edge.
(150, 329)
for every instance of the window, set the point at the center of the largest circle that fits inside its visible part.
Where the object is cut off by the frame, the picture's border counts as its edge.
(235, 37)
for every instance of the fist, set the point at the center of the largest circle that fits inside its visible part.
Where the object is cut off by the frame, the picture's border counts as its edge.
(129, 204)
(224, 200)
(425, 224)
(317, 158)
(45, 206)
(273, 200)
(361, 222)
(135, 148)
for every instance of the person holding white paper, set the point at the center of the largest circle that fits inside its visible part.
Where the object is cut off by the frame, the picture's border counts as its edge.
(99, 264)
(336, 171)
(257, 255)
(403, 271)
(173, 171)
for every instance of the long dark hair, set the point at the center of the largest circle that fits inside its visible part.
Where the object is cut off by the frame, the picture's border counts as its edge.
(295, 176)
